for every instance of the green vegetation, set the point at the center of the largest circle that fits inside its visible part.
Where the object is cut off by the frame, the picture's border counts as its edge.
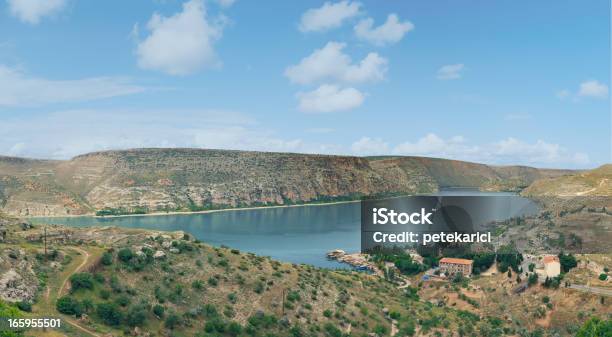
(595, 327)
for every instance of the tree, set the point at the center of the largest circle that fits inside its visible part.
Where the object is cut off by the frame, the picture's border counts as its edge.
(533, 279)
(595, 327)
(603, 276)
(107, 258)
(567, 262)
(234, 329)
(81, 281)
(158, 310)
(109, 313)
(69, 306)
(125, 255)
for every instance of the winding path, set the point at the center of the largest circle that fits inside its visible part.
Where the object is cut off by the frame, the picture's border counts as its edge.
(63, 289)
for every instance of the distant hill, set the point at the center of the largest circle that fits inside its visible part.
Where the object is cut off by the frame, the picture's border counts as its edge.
(455, 173)
(597, 182)
(149, 180)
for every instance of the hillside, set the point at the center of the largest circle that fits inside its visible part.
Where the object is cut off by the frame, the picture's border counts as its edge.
(149, 180)
(455, 173)
(597, 182)
(107, 281)
(116, 282)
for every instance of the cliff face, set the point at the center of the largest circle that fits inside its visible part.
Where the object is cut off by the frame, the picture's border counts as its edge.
(191, 179)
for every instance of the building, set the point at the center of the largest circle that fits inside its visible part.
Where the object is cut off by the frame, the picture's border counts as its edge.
(552, 266)
(451, 266)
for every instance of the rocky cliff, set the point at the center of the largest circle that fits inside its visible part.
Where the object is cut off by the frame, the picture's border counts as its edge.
(148, 180)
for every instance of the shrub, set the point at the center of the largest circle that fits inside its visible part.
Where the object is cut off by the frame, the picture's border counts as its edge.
(332, 331)
(172, 321)
(234, 329)
(109, 313)
(136, 316)
(293, 296)
(125, 255)
(603, 276)
(99, 278)
(24, 306)
(81, 281)
(107, 258)
(595, 327)
(158, 310)
(123, 300)
(213, 281)
(68, 305)
(327, 313)
(104, 294)
(197, 284)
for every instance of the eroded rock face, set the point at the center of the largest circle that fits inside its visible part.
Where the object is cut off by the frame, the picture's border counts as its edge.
(18, 281)
(194, 179)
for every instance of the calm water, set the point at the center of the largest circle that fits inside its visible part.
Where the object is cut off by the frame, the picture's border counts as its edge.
(293, 234)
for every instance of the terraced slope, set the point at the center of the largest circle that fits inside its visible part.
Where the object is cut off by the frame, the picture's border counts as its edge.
(149, 180)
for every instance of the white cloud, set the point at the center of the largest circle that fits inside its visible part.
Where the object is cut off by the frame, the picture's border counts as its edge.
(330, 63)
(509, 151)
(450, 71)
(392, 31)
(180, 44)
(370, 146)
(64, 134)
(32, 11)
(18, 89)
(433, 145)
(329, 98)
(328, 16)
(593, 89)
(538, 152)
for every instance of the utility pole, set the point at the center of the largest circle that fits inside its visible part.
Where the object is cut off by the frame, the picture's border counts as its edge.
(45, 239)
(283, 304)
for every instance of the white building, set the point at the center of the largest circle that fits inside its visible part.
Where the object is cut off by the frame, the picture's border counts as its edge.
(552, 267)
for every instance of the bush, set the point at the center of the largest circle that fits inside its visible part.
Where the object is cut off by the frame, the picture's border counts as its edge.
(107, 258)
(172, 321)
(603, 276)
(104, 294)
(69, 306)
(136, 316)
(197, 284)
(327, 313)
(595, 327)
(123, 300)
(109, 313)
(125, 255)
(24, 306)
(533, 279)
(158, 310)
(81, 281)
(234, 329)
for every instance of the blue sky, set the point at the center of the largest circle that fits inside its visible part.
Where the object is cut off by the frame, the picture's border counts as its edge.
(500, 82)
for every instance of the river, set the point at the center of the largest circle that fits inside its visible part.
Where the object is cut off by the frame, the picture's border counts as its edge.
(294, 234)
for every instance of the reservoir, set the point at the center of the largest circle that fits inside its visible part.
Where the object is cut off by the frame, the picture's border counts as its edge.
(302, 234)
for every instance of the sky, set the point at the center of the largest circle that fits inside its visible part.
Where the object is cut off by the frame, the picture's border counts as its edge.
(499, 82)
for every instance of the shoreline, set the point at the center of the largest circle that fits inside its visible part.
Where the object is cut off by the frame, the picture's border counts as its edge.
(192, 212)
